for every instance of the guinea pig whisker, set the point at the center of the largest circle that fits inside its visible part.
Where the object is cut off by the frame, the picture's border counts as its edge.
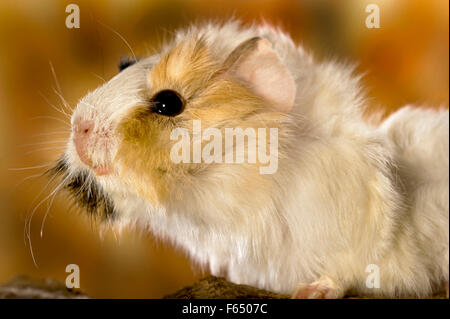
(62, 147)
(99, 77)
(63, 100)
(29, 167)
(47, 117)
(85, 187)
(32, 253)
(35, 199)
(58, 90)
(52, 133)
(120, 36)
(60, 110)
(24, 180)
(49, 205)
(56, 170)
(43, 143)
(34, 211)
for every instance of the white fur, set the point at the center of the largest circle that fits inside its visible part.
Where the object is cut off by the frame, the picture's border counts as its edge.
(347, 194)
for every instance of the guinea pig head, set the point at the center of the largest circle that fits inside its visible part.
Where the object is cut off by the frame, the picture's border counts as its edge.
(123, 132)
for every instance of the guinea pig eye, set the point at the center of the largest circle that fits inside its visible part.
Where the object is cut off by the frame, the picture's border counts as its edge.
(168, 103)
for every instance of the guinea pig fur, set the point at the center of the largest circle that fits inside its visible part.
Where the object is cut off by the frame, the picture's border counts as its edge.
(346, 195)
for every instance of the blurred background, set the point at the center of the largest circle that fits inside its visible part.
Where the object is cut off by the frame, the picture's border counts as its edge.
(406, 60)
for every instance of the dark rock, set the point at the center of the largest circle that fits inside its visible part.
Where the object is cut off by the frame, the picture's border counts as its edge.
(25, 288)
(206, 288)
(214, 287)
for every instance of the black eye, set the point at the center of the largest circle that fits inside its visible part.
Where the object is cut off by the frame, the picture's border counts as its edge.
(125, 63)
(168, 103)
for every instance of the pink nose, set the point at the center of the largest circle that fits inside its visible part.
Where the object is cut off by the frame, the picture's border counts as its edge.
(82, 132)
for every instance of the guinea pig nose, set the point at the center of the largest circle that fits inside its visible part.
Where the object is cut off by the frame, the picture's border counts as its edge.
(83, 127)
(82, 131)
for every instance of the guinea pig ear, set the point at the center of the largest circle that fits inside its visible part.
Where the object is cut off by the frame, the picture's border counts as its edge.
(257, 64)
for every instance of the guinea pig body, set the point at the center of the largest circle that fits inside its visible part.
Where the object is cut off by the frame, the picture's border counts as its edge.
(346, 197)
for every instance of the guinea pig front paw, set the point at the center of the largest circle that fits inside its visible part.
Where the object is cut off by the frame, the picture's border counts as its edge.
(323, 288)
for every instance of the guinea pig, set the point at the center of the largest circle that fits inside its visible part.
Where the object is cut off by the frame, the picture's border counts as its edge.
(349, 207)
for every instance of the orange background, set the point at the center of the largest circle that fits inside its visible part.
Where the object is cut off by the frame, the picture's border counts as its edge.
(406, 61)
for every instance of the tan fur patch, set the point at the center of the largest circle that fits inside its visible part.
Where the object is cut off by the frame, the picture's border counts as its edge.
(212, 97)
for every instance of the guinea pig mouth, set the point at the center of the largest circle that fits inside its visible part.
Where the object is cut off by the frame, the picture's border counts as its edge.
(102, 170)
(84, 190)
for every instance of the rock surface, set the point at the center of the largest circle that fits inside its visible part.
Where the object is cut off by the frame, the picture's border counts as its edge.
(206, 288)
(214, 287)
(26, 288)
